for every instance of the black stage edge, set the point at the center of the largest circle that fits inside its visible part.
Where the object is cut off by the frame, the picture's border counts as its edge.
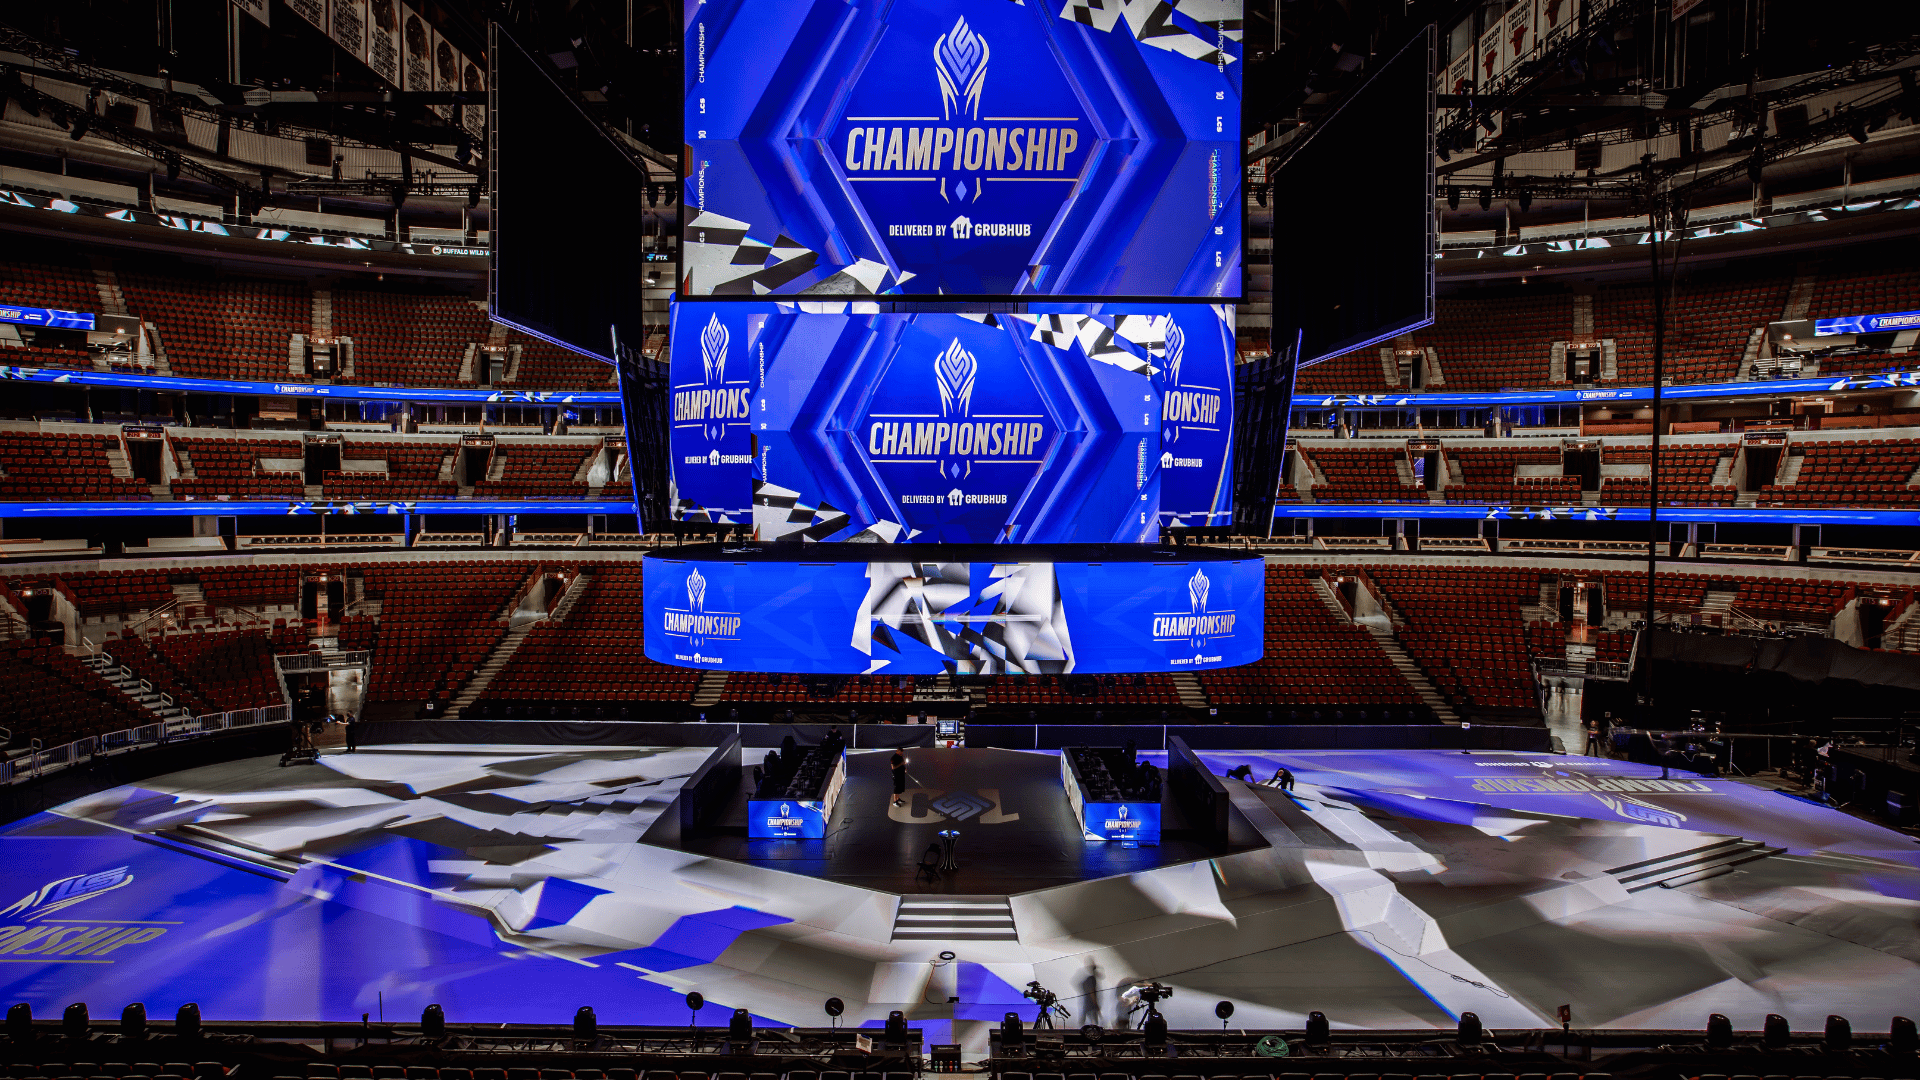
(945, 553)
(32, 795)
(1017, 832)
(1529, 740)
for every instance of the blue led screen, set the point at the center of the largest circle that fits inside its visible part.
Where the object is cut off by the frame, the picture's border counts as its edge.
(833, 613)
(958, 148)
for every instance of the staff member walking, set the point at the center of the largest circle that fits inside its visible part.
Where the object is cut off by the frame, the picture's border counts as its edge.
(899, 766)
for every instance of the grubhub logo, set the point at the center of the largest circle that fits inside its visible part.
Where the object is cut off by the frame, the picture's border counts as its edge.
(962, 228)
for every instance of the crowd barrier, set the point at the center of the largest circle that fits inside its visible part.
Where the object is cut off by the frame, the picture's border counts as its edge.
(40, 761)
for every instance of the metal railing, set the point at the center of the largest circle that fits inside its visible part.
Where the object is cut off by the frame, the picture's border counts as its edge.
(1610, 670)
(292, 662)
(40, 761)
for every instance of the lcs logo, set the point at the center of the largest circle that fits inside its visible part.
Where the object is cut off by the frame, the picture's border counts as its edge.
(960, 62)
(696, 592)
(713, 403)
(1197, 587)
(695, 622)
(953, 371)
(1198, 622)
(923, 806)
(66, 892)
(1198, 406)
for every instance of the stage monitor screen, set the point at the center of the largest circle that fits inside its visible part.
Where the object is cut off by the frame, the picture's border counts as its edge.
(849, 609)
(562, 267)
(1353, 217)
(1094, 427)
(963, 150)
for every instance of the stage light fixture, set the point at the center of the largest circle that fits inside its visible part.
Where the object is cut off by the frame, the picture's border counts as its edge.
(1453, 197)
(740, 1029)
(1526, 200)
(1012, 1035)
(1223, 1010)
(835, 1006)
(20, 1022)
(173, 167)
(433, 1021)
(1839, 1035)
(1902, 1036)
(186, 1021)
(1857, 128)
(1719, 1031)
(1486, 198)
(1260, 194)
(586, 1027)
(1319, 1032)
(74, 1022)
(896, 1031)
(1776, 1033)
(473, 196)
(1469, 1032)
(133, 1021)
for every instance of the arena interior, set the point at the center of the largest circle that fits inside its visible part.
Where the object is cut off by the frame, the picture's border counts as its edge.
(1060, 539)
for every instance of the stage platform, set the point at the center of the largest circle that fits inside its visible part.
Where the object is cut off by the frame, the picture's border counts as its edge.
(1390, 890)
(1017, 833)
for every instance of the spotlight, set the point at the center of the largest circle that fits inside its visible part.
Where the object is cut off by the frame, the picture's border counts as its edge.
(1469, 1032)
(1902, 1037)
(79, 128)
(1319, 1032)
(1857, 127)
(173, 168)
(1260, 194)
(20, 1022)
(462, 149)
(74, 1023)
(1453, 197)
(433, 1021)
(1719, 1031)
(835, 1006)
(653, 195)
(473, 196)
(740, 1029)
(1223, 1010)
(133, 1021)
(1486, 198)
(1526, 200)
(1012, 1035)
(1776, 1033)
(896, 1031)
(186, 1022)
(695, 1002)
(1839, 1034)
(1440, 147)
(586, 1027)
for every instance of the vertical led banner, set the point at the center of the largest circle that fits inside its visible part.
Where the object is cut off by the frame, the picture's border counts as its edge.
(718, 353)
(1194, 379)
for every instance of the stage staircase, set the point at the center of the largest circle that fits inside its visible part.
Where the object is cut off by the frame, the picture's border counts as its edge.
(1187, 685)
(136, 690)
(713, 686)
(502, 653)
(954, 918)
(1695, 864)
(1410, 671)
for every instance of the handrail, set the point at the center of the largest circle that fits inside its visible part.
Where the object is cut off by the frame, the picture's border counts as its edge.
(42, 760)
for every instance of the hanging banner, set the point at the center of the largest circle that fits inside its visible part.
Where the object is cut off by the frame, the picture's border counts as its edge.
(348, 26)
(383, 41)
(416, 52)
(314, 11)
(473, 79)
(261, 10)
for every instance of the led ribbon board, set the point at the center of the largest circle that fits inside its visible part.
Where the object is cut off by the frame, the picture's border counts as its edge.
(1867, 324)
(900, 609)
(48, 317)
(941, 147)
(1030, 428)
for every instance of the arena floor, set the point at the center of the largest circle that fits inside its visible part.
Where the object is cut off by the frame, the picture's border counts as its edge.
(1396, 889)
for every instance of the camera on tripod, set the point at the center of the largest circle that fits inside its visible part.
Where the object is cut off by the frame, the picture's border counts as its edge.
(1155, 992)
(1048, 1001)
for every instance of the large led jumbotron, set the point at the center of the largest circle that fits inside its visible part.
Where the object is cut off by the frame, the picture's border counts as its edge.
(1065, 148)
(1097, 426)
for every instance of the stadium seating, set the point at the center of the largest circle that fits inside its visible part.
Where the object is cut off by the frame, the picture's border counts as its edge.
(596, 654)
(47, 694)
(544, 365)
(54, 285)
(405, 338)
(1686, 475)
(1855, 472)
(1488, 476)
(1312, 658)
(1464, 628)
(231, 468)
(532, 471)
(413, 471)
(437, 622)
(1361, 474)
(222, 328)
(67, 468)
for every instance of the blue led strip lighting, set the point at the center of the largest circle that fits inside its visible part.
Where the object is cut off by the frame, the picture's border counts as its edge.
(1521, 512)
(319, 507)
(1867, 324)
(1883, 381)
(48, 317)
(75, 377)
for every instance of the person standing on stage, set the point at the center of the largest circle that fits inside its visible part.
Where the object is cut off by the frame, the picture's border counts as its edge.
(899, 766)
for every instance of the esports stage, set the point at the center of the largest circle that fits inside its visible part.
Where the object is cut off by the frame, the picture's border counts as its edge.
(1389, 890)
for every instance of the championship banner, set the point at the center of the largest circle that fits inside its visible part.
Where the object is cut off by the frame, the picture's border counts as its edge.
(383, 40)
(348, 26)
(313, 11)
(958, 148)
(417, 39)
(261, 10)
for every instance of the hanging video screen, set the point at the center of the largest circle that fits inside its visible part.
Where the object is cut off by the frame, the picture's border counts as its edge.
(951, 148)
